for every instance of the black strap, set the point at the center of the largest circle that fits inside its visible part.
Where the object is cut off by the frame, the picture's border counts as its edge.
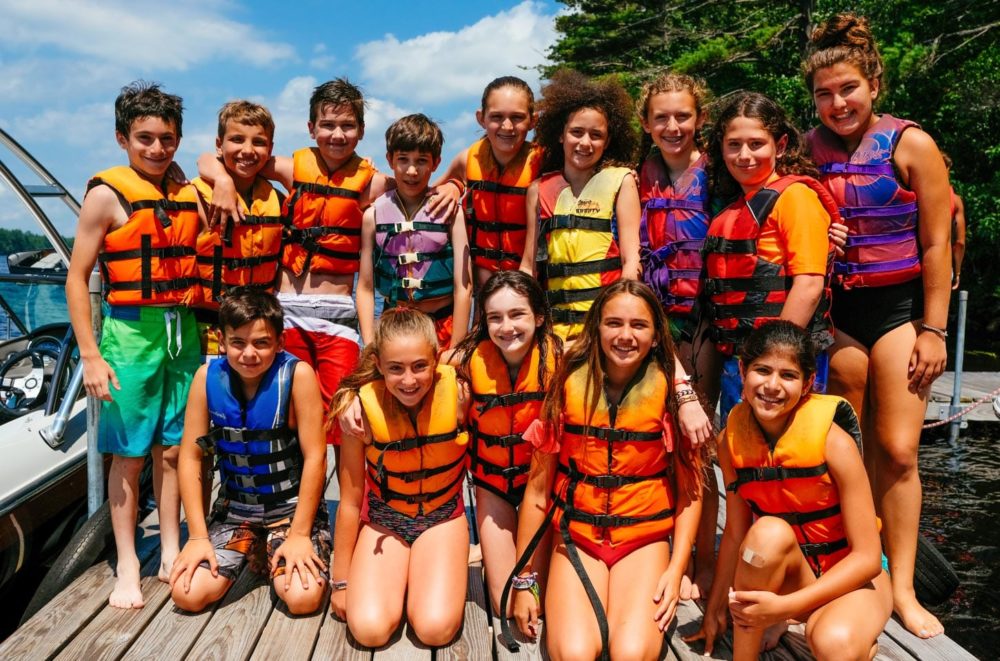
(164, 252)
(607, 481)
(158, 286)
(326, 191)
(414, 476)
(583, 268)
(494, 187)
(563, 296)
(823, 548)
(561, 316)
(388, 494)
(522, 562)
(489, 440)
(612, 435)
(721, 246)
(743, 310)
(774, 473)
(414, 442)
(260, 498)
(487, 402)
(797, 518)
(609, 520)
(233, 263)
(753, 283)
(494, 254)
(572, 221)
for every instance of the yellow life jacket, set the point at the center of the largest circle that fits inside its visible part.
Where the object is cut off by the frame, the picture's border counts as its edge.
(578, 237)
(150, 260)
(415, 471)
(791, 480)
(244, 254)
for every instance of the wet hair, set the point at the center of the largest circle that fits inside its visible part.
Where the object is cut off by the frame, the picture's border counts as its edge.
(248, 113)
(673, 82)
(527, 286)
(784, 336)
(513, 82)
(570, 91)
(843, 38)
(772, 117)
(414, 133)
(394, 322)
(337, 92)
(242, 305)
(141, 99)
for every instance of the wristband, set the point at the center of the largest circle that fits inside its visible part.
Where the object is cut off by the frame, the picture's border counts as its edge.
(339, 585)
(458, 184)
(940, 332)
(525, 582)
(195, 539)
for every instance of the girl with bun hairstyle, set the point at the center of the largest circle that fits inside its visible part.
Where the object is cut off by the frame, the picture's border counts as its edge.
(890, 298)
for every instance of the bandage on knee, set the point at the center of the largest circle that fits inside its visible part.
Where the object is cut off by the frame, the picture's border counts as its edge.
(753, 558)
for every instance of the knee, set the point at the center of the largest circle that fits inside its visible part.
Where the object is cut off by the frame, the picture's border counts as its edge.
(128, 467)
(371, 629)
(572, 648)
(837, 641)
(898, 459)
(770, 538)
(633, 646)
(435, 629)
(193, 601)
(301, 602)
(168, 456)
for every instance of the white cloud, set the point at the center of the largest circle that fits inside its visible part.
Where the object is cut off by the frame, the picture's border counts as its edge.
(177, 36)
(85, 126)
(440, 67)
(321, 59)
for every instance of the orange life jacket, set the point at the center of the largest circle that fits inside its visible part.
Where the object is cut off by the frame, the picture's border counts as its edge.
(500, 413)
(245, 254)
(791, 480)
(745, 290)
(325, 214)
(614, 480)
(150, 260)
(415, 471)
(494, 204)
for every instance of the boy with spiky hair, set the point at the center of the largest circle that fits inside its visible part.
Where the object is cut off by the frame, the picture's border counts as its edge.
(141, 227)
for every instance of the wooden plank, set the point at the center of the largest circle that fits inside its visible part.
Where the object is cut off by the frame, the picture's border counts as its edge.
(938, 648)
(53, 626)
(236, 624)
(336, 642)
(403, 646)
(474, 640)
(289, 637)
(687, 622)
(170, 635)
(109, 635)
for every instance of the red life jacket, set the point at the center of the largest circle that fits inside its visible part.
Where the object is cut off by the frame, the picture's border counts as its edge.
(743, 289)
(880, 214)
(494, 204)
(672, 232)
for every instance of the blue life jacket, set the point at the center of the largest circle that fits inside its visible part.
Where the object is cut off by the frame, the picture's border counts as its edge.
(258, 455)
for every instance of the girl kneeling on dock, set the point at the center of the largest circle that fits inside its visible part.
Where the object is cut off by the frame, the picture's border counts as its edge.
(614, 482)
(401, 534)
(801, 539)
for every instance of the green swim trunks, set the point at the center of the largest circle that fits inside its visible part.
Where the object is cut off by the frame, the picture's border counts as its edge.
(155, 352)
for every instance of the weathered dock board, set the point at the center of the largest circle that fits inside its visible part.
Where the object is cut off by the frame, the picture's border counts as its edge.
(975, 386)
(250, 623)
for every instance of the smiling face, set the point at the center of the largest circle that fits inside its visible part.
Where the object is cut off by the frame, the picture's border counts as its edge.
(337, 133)
(584, 138)
(150, 144)
(672, 121)
(750, 153)
(407, 362)
(511, 324)
(844, 98)
(507, 120)
(627, 333)
(412, 170)
(251, 349)
(244, 149)
(773, 385)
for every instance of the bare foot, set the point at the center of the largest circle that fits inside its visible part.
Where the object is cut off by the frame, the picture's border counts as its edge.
(772, 635)
(126, 593)
(166, 564)
(917, 619)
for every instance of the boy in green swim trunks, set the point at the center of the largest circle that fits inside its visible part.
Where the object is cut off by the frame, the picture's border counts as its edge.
(141, 227)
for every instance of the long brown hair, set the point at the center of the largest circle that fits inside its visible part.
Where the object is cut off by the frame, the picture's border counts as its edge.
(672, 82)
(844, 38)
(526, 286)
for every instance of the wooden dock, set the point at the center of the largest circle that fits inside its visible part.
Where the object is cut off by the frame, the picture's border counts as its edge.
(250, 623)
(975, 386)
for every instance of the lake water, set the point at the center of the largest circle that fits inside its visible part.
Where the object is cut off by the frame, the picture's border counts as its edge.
(961, 515)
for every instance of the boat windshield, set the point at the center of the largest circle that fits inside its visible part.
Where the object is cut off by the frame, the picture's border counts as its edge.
(32, 297)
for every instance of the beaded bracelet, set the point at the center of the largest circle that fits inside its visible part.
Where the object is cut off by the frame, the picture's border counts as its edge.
(524, 582)
(339, 585)
(940, 332)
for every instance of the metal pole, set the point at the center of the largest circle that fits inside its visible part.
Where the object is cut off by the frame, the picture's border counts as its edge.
(53, 434)
(95, 463)
(956, 390)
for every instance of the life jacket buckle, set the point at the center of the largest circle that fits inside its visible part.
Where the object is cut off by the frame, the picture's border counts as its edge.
(239, 460)
(407, 258)
(411, 283)
(404, 226)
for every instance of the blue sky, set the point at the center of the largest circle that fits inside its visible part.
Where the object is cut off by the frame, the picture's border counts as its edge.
(64, 62)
